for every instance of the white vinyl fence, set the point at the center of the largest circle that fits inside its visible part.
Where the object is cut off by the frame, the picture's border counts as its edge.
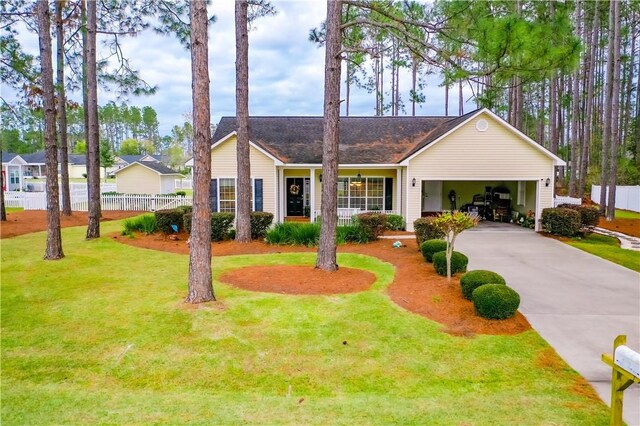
(566, 200)
(79, 202)
(627, 197)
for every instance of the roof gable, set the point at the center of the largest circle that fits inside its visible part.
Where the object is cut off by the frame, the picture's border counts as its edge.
(155, 166)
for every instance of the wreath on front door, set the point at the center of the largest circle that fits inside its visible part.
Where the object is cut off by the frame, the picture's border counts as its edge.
(294, 189)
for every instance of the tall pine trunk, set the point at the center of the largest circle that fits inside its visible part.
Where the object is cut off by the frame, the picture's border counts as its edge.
(93, 132)
(3, 209)
(607, 118)
(200, 287)
(575, 111)
(327, 259)
(63, 146)
(590, 101)
(615, 112)
(243, 201)
(53, 249)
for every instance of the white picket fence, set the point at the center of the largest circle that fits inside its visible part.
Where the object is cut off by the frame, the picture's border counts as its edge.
(79, 202)
(627, 197)
(566, 200)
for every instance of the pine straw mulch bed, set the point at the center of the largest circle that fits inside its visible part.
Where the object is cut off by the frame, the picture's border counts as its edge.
(626, 226)
(28, 221)
(416, 287)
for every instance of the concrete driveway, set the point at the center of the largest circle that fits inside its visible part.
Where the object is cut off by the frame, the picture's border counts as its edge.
(578, 302)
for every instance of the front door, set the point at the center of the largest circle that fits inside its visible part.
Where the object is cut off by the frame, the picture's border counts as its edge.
(431, 195)
(295, 196)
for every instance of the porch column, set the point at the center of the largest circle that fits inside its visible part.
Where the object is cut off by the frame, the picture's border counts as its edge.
(39, 170)
(20, 173)
(281, 194)
(399, 200)
(537, 215)
(312, 193)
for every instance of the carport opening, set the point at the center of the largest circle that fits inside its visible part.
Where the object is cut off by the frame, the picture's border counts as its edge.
(496, 201)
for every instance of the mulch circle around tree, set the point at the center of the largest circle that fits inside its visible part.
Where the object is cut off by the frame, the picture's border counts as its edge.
(287, 279)
(28, 221)
(416, 287)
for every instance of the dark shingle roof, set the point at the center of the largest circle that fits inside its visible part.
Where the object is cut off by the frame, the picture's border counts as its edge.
(155, 166)
(363, 140)
(7, 156)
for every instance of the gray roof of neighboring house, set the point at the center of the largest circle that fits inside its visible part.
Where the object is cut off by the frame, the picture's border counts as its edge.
(155, 166)
(133, 158)
(8, 156)
(363, 140)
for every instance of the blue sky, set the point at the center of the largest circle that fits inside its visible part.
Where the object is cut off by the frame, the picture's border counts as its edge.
(286, 70)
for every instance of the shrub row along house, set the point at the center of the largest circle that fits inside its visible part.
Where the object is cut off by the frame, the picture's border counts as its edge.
(411, 166)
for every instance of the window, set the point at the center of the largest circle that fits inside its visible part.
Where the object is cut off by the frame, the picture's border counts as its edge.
(223, 195)
(14, 177)
(227, 189)
(365, 193)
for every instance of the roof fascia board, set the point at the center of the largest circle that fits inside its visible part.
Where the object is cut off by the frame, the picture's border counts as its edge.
(343, 166)
(146, 167)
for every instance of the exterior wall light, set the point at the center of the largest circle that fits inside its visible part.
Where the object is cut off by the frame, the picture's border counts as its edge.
(413, 182)
(547, 182)
(320, 177)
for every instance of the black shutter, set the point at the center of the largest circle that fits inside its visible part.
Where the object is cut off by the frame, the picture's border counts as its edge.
(388, 193)
(257, 194)
(214, 195)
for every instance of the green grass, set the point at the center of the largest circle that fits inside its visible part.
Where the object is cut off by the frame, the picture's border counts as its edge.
(627, 214)
(608, 248)
(102, 337)
(13, 209)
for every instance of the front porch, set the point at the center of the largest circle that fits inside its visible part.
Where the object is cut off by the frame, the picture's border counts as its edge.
(361, 189)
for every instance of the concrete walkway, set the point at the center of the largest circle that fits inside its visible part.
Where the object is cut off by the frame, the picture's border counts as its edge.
(578, 302)
(626, 241)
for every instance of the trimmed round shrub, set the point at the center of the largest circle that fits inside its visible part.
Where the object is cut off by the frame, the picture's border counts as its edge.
(431, 247)
(559, 221)
(395, 222)
(260, 223)
(221, 224)
(474, 279)
(425, 230)
(495, 301)
(589, 215)
(458, 262)
(374, 224)
(166, 218)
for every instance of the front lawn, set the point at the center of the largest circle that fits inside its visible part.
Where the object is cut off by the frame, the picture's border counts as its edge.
(627, 214)
(608, 248)
(102, 337)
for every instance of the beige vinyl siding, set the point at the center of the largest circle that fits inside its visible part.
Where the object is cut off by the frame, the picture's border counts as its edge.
(138, 179)
(224, 165)
(384, 173)
(498, 154)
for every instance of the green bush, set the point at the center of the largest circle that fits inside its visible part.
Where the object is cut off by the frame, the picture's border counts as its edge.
(431, 247)
(181, 193)
(474, 279)
(166, 218)
(221, 224)
(458, 262)
(495, 301)
(560, 221)
(290, 233)
(395, 222)
(352, 234)
(185, 209)
(589, 215)
(260, 223)
(425, 230)
(146, 223)
(373, 224)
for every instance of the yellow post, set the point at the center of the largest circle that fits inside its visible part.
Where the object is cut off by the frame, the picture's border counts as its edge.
(620, 380)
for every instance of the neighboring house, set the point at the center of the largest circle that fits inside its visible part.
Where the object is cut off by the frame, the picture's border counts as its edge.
(19, 168)
(411, 166)
(146, 177)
